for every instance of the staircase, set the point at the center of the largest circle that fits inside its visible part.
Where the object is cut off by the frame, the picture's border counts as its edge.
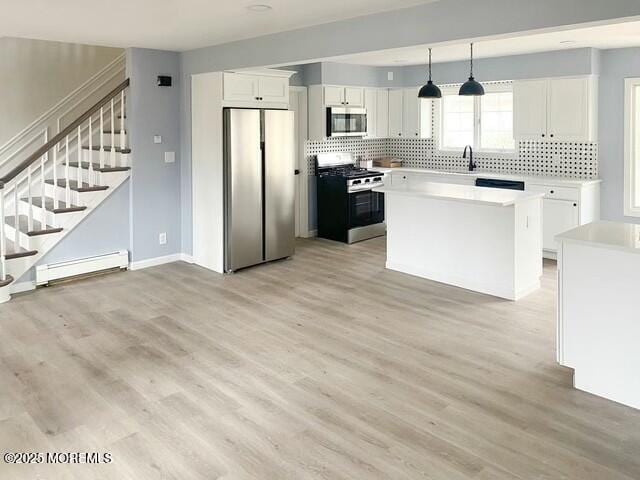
(49, 193)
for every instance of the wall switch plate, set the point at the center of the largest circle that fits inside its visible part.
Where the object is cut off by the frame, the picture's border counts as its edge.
(390, 76)
(169, 157)
(157, 139)
(162, 238)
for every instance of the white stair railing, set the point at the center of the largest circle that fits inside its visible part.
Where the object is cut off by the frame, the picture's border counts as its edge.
(30, 178)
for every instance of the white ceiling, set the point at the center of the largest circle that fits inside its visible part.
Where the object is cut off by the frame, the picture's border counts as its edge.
(174, 24)
(604, 36)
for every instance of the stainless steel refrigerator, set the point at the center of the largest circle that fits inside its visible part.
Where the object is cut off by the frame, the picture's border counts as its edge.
(259, 168)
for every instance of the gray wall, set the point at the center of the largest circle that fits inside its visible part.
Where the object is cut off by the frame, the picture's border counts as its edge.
(35, 75)
(616, 65)
(155, 185)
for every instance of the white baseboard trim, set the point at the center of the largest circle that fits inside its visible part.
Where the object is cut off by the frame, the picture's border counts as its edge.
(154, 262)
(312, 234)
(22, 287)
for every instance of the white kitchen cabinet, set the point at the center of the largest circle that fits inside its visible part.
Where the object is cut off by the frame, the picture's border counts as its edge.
(556, 109)
(354, 96)
(569, 116)
(254, 90)
(565, 208)
(410, 113)
(273, 89)
(343, 96)
(240, 87)
(396, 100)
(382, 113)
(530, 109)
(371, 105)
(558, 217)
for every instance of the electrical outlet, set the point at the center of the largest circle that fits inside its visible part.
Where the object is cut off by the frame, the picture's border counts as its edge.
(157, 139)
(390, 76)
(162, 238)
(169, 157)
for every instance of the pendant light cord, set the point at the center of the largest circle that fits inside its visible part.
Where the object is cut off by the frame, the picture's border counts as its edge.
(471, 59)
(429, 64)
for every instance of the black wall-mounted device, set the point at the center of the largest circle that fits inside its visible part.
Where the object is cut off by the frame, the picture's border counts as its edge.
(164, 81)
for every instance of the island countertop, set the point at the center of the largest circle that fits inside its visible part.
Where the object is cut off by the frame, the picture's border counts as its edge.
(612, 235)
(462, 193)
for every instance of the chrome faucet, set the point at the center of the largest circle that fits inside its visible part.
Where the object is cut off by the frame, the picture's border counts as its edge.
(472, 164)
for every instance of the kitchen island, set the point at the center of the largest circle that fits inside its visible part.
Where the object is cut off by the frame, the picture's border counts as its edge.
(481, 239)
(598, 328)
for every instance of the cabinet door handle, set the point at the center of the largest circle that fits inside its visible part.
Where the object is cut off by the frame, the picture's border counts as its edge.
(552, 192)
(543, 135)
(551, 135)
(575, 204)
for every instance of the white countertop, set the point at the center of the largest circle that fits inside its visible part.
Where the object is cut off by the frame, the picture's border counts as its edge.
(462, 193)
(577, 182)
(614, 235)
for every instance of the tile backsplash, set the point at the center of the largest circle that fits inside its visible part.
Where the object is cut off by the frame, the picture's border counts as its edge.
(558, 159)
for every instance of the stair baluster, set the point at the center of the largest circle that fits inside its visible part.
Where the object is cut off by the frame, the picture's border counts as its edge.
(90, 169)
(101, 137)
(79, 174)
(56, 202)
(43, 217)
(112, 160)
(16, 236)
(122, 113)
(30, 197)
(67, 190)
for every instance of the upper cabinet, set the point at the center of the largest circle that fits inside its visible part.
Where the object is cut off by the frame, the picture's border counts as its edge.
(343, 96)
(558, 109)
(396, 101)
(382, 113)
(371, 106)
(268, 88)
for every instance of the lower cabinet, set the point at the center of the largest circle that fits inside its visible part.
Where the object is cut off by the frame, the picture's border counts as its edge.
(558, 216)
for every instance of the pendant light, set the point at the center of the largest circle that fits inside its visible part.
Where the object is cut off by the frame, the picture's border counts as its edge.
(471, 87)
(430, 90)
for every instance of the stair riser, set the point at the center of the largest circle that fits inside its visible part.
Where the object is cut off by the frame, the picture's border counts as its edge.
(25, 241)
(110, 159)
(87, 176)
(59, 193)
(106, 139)
(39, 214)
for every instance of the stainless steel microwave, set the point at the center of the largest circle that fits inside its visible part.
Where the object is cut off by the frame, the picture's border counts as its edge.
(346, 122)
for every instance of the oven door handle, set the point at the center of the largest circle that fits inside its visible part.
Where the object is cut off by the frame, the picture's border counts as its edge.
(364, 187)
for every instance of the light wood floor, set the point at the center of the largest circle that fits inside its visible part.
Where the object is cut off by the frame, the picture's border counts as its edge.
(321, 367)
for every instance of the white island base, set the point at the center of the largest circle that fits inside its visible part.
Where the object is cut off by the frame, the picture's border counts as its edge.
(480, 239)
(598, 305)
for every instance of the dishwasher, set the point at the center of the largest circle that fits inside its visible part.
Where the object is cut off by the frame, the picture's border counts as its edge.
(495, 183)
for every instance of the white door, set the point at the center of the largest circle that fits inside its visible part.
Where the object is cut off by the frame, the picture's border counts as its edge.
(298, 104)
(382, 113)
(410, 113)
(240, 88)
(334, 96)
(530, 109)
(395, 113)
(370, 105)
(568, 114)
(558, 216)
(273, 89)
(354, 96)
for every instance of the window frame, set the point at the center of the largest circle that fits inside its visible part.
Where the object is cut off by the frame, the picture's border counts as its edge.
(631, 149)
(497, 87)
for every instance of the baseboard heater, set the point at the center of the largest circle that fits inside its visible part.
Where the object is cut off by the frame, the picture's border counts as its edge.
(57, 271)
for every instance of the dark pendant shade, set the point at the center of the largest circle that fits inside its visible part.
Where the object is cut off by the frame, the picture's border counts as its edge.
(471, 87)
(430, 90)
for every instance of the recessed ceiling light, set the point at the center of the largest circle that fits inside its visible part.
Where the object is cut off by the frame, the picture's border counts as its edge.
(259, 7)
(568, 42)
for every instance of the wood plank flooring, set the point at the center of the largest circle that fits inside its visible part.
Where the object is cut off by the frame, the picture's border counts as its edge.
(324, 366)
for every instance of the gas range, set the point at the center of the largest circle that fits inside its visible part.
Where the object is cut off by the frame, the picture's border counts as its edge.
(348, 208)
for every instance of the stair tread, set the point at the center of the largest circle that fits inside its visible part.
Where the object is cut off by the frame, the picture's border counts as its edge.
(12, 252)
(49, 205)
(107, 148)
(8, 279)
(23, 225)
(108, 132)
(73, 185)
(97, 168)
